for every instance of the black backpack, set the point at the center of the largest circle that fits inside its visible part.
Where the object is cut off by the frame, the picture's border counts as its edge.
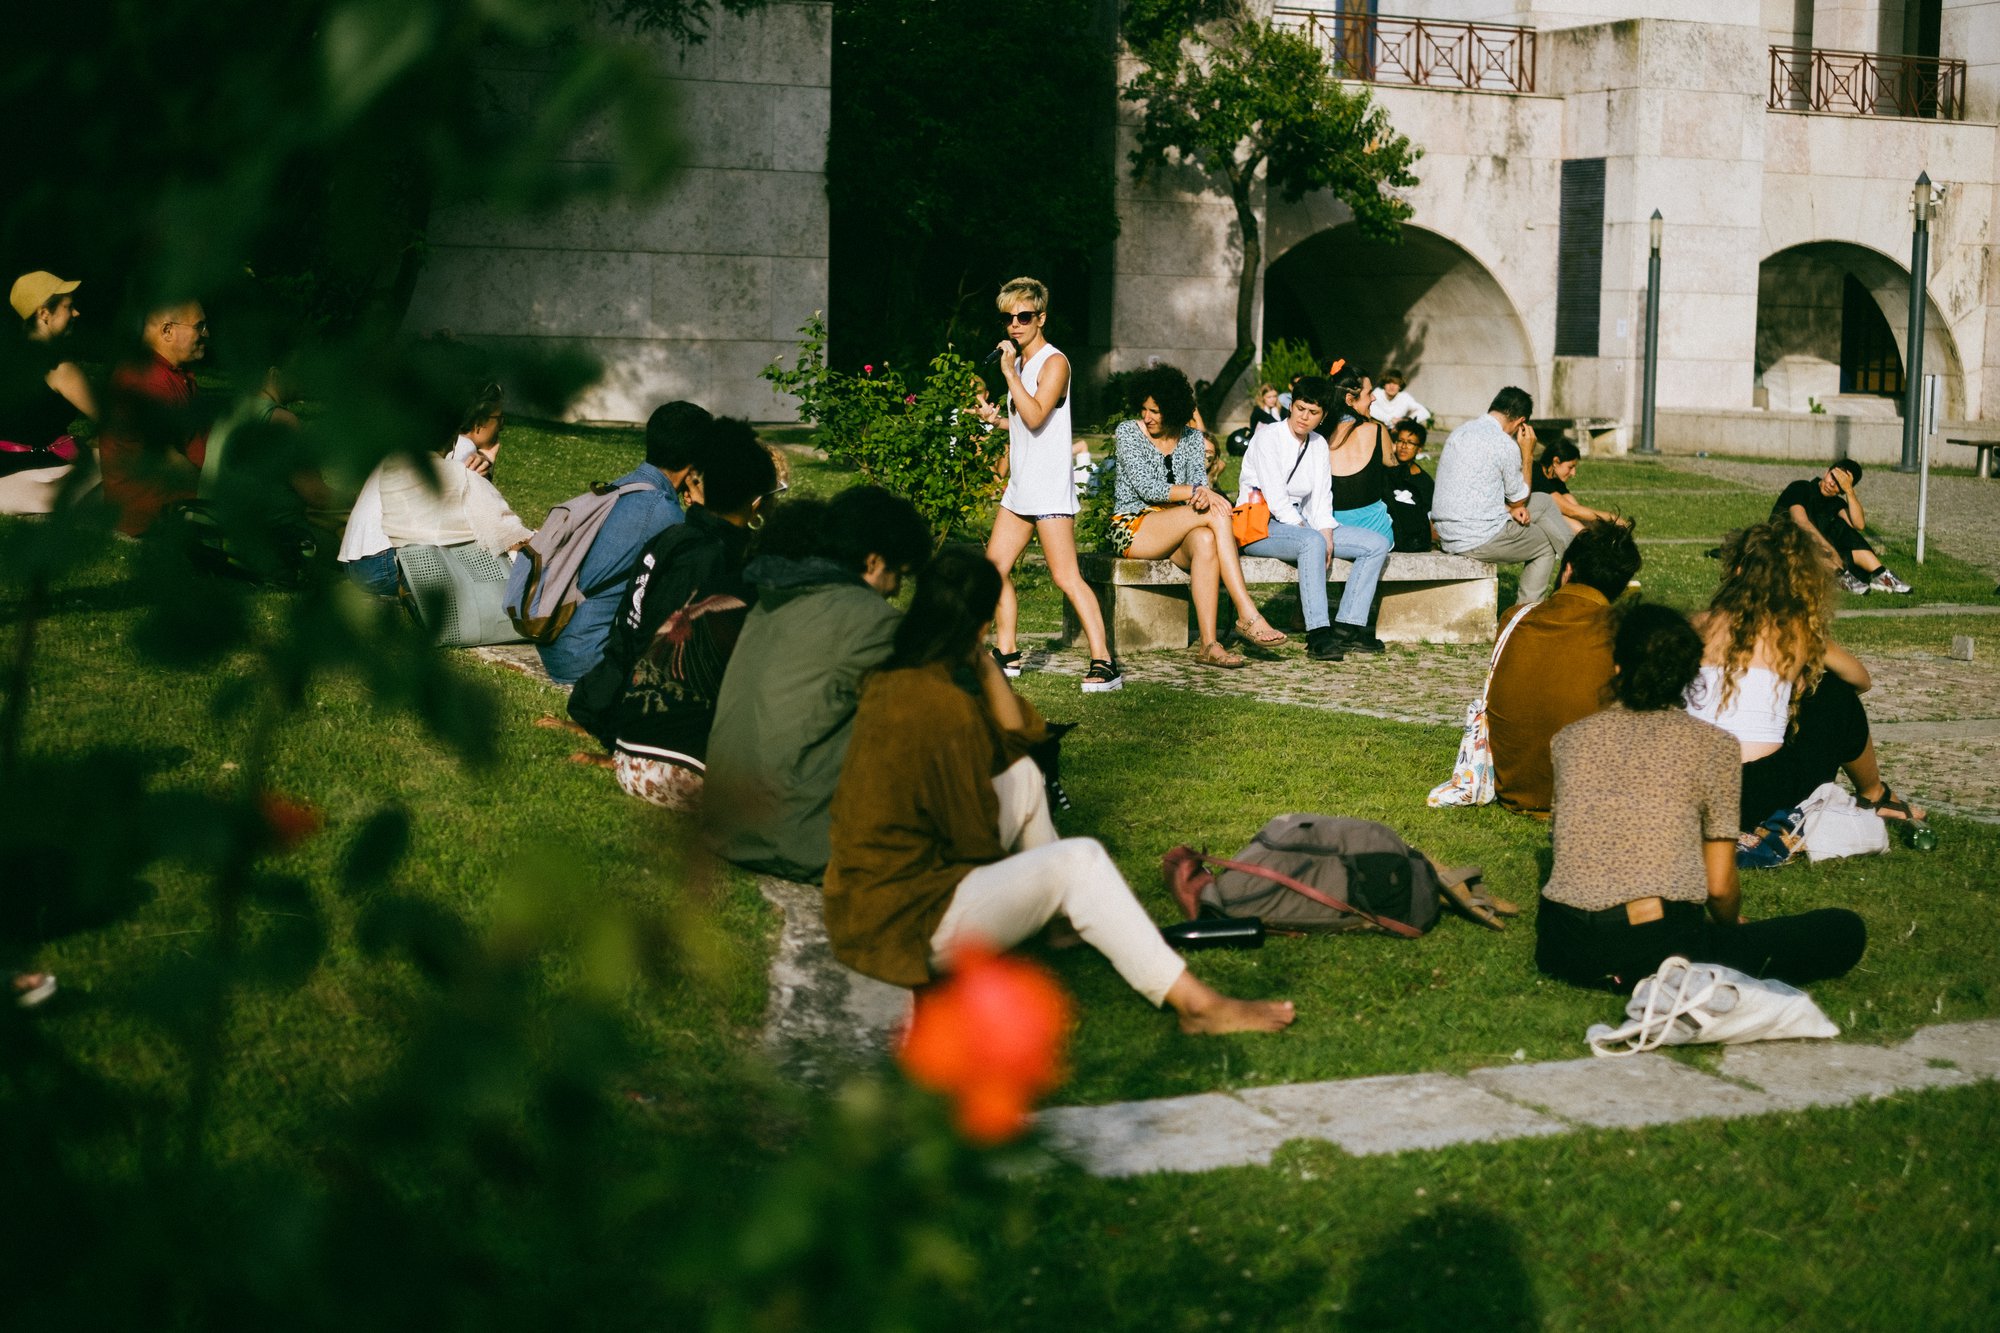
(1315, 874)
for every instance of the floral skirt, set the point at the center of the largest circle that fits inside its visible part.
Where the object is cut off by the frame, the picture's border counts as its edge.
(1124, 527)
(660, 782)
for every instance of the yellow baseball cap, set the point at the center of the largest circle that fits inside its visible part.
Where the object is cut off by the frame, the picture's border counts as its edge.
(34, 290)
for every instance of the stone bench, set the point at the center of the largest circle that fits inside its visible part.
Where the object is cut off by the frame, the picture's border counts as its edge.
(1425, 598)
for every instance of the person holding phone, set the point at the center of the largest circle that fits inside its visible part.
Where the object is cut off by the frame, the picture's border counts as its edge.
(1040, 498)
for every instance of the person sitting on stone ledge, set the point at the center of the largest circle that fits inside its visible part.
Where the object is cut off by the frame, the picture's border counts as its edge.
(674, 434)
(155, 436)
(1774, 679)
(1556, 665)
(1827, 507)
(1163, 509)
(1288, 465)
(825, 573)
(1409, 489)
(1483, 507)
(651, 698)
(1645, 837)
(941, 829)
(1392, 403)
(1551, 476)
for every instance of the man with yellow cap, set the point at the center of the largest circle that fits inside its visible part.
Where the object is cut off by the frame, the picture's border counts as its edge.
(41, 395)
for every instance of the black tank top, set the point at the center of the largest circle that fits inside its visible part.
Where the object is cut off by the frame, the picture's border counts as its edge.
(1360, 489)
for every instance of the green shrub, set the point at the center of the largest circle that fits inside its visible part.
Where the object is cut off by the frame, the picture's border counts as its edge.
(926, 444)
(1284, 358)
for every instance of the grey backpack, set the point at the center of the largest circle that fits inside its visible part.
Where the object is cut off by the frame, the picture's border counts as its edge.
(1316, 874)
(542, 592)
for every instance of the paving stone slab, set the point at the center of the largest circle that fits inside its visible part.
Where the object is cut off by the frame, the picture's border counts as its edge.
(1396, 1113)
(1973, 1047)
(1199, 1133)
(1818, 1073)
(1622, 1092)
(822, 1018)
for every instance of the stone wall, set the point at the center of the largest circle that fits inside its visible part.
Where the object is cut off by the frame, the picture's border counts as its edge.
(691, 295)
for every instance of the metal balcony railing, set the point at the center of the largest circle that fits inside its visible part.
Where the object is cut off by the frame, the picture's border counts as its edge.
(1423, 53)
(1856, 83)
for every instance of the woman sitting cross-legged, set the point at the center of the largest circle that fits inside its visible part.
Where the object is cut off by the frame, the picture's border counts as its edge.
(941, 832)
(1773, 678)
(1551, 475)
(1645, 837)
(1164, 509)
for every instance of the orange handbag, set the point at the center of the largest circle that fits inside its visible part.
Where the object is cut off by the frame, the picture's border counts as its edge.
(1251, 522)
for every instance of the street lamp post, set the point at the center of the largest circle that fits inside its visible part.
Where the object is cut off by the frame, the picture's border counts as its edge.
(1652, 370)
(1913, 356)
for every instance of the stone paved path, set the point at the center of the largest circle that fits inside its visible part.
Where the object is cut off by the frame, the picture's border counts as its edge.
(1406, 1112)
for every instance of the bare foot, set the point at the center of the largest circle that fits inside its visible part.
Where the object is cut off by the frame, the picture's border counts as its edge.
(550, 722)
(1206, 1011)
(593, 760)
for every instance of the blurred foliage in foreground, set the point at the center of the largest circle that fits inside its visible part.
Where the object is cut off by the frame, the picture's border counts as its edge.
(494, 1175)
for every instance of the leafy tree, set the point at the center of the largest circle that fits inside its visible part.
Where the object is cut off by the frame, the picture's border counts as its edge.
(1242, 100)
(970, 143)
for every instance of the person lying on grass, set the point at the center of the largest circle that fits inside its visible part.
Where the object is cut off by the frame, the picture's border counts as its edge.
(1773, 678)
(941, 830)
(1645, 837)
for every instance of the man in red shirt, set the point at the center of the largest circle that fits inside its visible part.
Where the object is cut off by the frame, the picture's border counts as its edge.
(153, 443)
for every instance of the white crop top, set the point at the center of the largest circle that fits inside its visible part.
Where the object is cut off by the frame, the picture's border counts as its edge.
(1757, 713)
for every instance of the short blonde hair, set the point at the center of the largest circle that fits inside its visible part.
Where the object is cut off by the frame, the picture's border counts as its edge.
(1023, 289)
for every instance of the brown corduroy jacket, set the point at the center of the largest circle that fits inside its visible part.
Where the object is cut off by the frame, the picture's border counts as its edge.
(1553, 670)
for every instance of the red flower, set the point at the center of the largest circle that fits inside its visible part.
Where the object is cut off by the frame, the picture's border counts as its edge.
(909, 398)
(868, 370)
(991, 1037)
(288, 822)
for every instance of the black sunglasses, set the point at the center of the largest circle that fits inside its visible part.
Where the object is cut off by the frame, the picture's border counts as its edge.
(1020, 317)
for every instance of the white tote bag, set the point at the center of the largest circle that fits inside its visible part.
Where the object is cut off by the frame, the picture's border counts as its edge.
(1471, 780)
(1835, 826)
(1687, 1003)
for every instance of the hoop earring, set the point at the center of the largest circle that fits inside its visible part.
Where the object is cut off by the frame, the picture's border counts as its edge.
(756, 522)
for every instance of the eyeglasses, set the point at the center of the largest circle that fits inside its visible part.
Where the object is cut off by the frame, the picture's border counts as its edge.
(201, 328)
(779, 490)
(1020, 317)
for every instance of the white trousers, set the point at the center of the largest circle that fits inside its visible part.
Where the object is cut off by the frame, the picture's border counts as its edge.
(1045, 877)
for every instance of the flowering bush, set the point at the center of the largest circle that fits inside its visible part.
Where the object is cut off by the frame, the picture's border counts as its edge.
(925, 441)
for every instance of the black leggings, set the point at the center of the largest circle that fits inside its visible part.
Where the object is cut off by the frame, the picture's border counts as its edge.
(1604, 951)
(1842, 537)
(1832, 731)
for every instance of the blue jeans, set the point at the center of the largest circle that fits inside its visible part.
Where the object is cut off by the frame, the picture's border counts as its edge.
(1368, 550)
(1306, 549)
(377, 573)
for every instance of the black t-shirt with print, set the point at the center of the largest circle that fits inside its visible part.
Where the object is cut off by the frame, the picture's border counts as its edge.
(1408, 493)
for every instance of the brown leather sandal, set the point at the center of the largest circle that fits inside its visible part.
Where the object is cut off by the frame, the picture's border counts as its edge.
(1215, 655)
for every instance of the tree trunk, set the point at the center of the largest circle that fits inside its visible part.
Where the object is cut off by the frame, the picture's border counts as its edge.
(1212, 399)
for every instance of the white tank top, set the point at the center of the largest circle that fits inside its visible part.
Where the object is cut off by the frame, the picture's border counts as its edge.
(1758, 711)
(1041, 478)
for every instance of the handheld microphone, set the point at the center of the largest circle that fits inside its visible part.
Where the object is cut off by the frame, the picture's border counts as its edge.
(991, 357)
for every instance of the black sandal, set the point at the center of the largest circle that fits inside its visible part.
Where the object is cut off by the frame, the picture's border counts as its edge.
(1888, 805)
(1010, 663)
(1103, 677)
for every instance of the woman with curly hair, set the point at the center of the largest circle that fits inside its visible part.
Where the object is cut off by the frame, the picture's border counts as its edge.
(1645, 837)
(1772, 677)
(1163, 509)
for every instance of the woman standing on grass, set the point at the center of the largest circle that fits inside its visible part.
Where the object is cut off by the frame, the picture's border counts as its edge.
(1163, 509)
(1773, 678)
(941, 833)
(1040, 499)
(1645, 837)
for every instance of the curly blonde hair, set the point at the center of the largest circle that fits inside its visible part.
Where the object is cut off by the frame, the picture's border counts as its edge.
(1776, 591)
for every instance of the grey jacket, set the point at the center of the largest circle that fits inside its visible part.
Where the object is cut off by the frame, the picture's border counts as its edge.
(785, 713)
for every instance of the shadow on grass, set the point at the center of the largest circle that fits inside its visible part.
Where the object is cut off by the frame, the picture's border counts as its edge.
(1455, 1270)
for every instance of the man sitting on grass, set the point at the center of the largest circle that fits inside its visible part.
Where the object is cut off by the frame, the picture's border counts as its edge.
(1829, 510)
(824, 575)
(1556, 664)
(673, 437)
(1483, 507)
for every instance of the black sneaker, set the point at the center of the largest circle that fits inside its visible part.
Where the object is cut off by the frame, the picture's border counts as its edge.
(1103, 677)
(1323, 645)
(1010, 663)
(1357, 639)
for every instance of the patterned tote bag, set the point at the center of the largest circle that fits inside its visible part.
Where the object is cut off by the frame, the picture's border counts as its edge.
(1471, 780)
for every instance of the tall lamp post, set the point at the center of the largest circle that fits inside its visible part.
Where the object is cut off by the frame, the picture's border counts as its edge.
(1913, 358)
(1652, 370)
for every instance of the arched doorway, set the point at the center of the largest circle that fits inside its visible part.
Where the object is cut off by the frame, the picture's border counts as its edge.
(1832, 320)
(1425, 307)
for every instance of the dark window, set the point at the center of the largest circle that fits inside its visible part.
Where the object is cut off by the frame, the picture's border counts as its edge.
(1580, 257)
(1869, 361)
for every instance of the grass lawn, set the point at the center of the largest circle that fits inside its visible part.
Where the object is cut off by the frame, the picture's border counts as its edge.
(1880, 1216)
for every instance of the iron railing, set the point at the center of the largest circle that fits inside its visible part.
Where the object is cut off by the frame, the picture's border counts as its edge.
(1856, 83)
(1423, 53)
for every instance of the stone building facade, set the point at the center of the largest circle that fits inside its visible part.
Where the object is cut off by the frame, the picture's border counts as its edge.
(1779, 141)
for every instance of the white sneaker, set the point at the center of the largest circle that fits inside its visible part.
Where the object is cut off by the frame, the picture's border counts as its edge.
(1852, 584)
(1885, 581)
